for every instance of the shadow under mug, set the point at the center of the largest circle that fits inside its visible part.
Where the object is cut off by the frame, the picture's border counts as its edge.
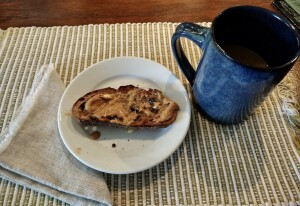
(230, 80)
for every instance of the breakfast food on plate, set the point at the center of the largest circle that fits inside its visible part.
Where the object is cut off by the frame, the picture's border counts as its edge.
(128, 106)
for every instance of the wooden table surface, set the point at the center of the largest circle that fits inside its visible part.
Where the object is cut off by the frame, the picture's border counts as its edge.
(20, 13)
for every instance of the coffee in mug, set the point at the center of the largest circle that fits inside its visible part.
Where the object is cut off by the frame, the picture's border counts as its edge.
(245, 56)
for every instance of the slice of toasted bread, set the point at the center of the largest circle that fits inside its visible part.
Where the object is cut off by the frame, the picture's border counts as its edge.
(127, 106)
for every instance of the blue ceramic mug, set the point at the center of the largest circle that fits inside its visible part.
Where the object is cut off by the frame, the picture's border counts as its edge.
(247, 51)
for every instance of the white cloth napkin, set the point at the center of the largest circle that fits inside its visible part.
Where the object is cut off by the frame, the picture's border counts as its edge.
(32, 153)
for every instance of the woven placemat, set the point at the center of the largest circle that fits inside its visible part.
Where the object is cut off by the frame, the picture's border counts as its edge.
(255, 162)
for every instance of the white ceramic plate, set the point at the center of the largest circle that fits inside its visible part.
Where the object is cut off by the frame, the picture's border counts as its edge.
(118, 151)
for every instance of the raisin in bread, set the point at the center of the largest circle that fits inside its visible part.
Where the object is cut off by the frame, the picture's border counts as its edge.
(127, 106)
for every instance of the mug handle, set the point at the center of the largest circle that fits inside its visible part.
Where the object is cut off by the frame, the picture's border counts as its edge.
(194, 32)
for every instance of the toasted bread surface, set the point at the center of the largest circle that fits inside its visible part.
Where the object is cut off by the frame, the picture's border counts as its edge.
(127, 106)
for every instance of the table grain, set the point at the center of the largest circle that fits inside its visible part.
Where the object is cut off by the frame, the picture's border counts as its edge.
(19, 13)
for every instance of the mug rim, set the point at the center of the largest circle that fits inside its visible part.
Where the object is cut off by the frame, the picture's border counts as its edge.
(280, 18)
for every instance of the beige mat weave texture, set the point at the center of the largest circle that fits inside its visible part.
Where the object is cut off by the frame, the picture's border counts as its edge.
(253, 163)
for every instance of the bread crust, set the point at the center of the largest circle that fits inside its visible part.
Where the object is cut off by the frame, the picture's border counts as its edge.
(128, 106)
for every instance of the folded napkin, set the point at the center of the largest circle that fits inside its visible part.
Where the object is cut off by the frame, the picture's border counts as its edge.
(32, 153)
